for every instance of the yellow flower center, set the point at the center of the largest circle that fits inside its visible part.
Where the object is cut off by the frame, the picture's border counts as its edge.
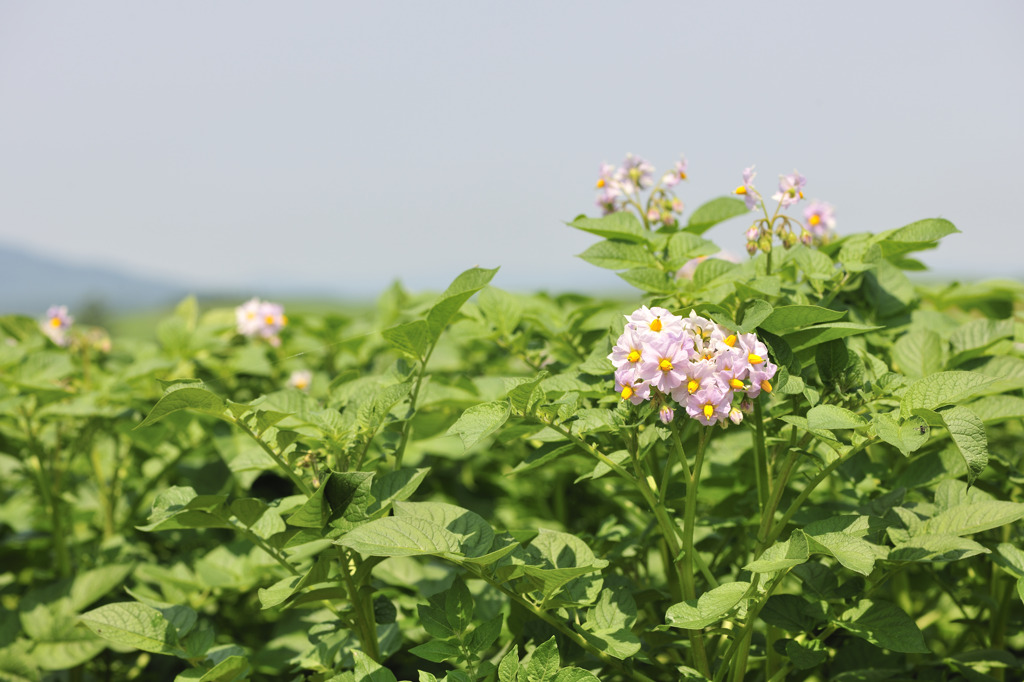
(736, 383)
(682, 175)
(269, 319)
(600, 183)
(656, 324)
(766, 387)
(284, 320)
(692, 385)
(740, 190)
(709, 410)
(755, 359)
(627, 393)
(54, 322)
(815, 220)
(634, 355)
(730, 340)
(665, 365)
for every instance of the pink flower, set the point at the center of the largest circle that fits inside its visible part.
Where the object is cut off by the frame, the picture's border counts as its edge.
(654, 321)
(747, 191)
(261, 318)
(636, 174)
(57, 324)
(627, 350)
(791, 189)
(819, 218)
(710, 405)
(665, 364)
(677, 174)
(300, 379)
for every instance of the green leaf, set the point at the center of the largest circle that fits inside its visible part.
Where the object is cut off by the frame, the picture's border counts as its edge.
(711, 607)
(618, 255)
(935, 548)
(806, 655)
(484, 635)
(928, 230)
(501, 309)
(480, 421)
(968, 432)
(792, 613)
(713, 212)
(852, 552)
(231, 669)
(782, 555)
(544, 662)
(453, 298)
(195, 399)
(135, 625)
(684, 246)
(400, 536)
(574, 674)
(180, 507)
(940, 389)
(395, 486)
(436, 651)
(812, 336)
(524, 396)
(884, 625)
(754, 314)
(509, 668)
(833, 417)
(88, 586)
(973, 517)
(791, 318)
(650, 279)
(368, 670)
(621, 225)
(609, 622)
(473, 534)
(831, 358)
(410, 338)
(992, 409)
(906, 437)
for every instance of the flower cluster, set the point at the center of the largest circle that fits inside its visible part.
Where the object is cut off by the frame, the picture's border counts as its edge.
(819, 217)
(57, 324)
(690, 362)
(620, 187)
(261, 318)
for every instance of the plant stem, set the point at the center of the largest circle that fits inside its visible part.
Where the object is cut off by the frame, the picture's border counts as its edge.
(413, 396)
(809, 488)
(283, 465)
(558, 624)
(760, 459)
(689, 519)
(365, 621)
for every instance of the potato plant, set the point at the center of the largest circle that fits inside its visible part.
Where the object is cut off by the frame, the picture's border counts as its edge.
(800, 465)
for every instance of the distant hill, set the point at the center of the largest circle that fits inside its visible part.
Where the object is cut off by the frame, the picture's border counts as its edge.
(30, 283)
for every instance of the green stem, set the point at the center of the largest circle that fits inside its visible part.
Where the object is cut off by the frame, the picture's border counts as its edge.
(689, 520)
(745, 633)
(262, 544)
(51, 495)
(590, 449)
(557, 624)
(413, 396)
(283, 465)
(365, 621)
(760, 459)
(809, 488)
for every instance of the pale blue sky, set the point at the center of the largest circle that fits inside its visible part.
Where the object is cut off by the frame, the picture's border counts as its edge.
(343, 144)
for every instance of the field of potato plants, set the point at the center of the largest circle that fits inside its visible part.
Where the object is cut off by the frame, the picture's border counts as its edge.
(794, 465)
